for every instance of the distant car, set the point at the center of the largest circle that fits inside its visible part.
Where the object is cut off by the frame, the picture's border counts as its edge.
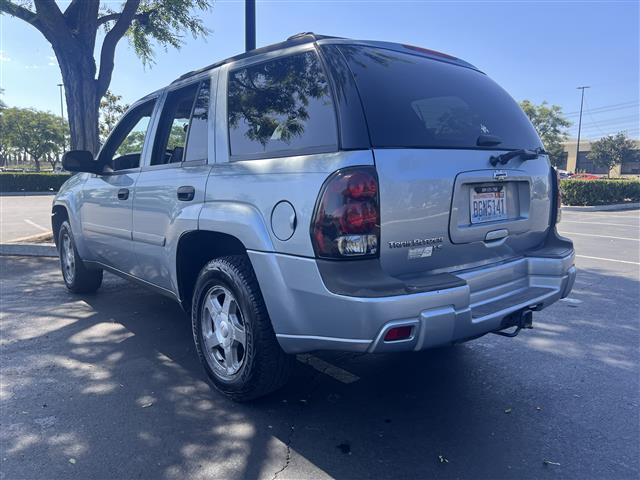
(585, 176)
(563, 174)
(322, 194)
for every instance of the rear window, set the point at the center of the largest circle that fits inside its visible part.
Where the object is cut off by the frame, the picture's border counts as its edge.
(413, 101)
(279, 107)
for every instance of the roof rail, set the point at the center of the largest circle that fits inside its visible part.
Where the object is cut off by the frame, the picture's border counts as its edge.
(297, 39)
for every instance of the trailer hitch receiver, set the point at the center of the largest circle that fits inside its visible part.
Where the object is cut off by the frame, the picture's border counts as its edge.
(521, 319)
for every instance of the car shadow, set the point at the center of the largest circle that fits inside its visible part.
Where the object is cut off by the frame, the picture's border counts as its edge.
(112, 382)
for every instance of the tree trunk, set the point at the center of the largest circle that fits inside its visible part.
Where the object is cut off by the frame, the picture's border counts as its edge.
(81, 93)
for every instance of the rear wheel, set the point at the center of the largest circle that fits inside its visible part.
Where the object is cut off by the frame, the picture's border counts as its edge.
(77, 277)
(234, 338)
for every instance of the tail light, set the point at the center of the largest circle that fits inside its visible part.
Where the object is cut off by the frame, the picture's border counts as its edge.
(346, 221)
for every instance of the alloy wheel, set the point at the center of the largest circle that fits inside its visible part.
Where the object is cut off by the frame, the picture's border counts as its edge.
(223, 332)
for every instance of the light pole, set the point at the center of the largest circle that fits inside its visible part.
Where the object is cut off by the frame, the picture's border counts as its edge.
(580, 123)
(64, 142)
(249, 25)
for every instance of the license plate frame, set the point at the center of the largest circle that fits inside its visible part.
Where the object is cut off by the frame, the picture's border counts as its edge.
(488, 203)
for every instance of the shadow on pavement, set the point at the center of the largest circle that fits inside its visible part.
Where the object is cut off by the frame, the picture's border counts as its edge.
(112, 382)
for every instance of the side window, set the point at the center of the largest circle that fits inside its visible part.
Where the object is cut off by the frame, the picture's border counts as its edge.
(123, 150)
(171, 136)
(280, 105)
(198, 142)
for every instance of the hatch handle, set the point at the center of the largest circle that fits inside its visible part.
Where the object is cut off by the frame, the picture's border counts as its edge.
(496, 235)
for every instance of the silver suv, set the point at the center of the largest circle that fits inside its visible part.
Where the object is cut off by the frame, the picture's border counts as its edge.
(322, 194)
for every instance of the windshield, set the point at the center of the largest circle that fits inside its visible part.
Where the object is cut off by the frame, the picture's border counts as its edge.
(413, 101)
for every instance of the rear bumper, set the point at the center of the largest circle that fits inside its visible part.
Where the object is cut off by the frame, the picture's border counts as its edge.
(307, 316)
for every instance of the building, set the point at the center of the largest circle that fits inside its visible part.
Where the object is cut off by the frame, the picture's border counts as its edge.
(584, 165)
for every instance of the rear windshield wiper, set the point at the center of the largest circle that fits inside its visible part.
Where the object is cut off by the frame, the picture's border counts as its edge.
(523, 154)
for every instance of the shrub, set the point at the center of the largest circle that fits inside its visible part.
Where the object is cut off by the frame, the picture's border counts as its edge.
(599, 192)
(32, 182)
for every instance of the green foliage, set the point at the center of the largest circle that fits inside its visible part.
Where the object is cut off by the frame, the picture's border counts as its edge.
(71, 27)
(31, 182)
(163, 22)
(272, 98)
(551, 125)
(133, 143)
(177, 136)
(110, 112)
(599, 192)
(33, 132)
(611, 150)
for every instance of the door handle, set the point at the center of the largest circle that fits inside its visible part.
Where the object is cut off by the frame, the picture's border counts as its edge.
(123, 194)
(186, 193)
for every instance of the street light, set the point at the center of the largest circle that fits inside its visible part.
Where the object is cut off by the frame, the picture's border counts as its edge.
(580, 123)
(250, 25)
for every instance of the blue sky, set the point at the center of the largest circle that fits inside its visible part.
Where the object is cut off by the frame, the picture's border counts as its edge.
(539, 50)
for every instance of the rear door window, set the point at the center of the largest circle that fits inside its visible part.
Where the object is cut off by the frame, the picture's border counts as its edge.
(414, 101)
(198, 141)
(172, 130)
(280, 107)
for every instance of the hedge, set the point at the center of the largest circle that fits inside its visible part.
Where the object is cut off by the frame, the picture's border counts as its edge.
(574, 192)
(31, 182)
(599, 192)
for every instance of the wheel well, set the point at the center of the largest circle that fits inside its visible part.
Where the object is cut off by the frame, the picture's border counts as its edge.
(195, 249)
(59, 215)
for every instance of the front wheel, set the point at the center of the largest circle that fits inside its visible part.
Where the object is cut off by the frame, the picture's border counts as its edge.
(77, 277)
(234, 338)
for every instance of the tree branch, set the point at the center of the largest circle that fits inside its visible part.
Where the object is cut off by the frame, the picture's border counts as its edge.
(108, 18)
(52, 21)
(115, 16)
(22, 13)
(81, 16)
(110, 42)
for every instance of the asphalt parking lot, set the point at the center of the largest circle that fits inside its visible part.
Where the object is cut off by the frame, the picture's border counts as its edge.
(24, 216)
(108, 386)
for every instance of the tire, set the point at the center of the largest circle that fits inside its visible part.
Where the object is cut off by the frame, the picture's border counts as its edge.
(232, 331)
(77, 277)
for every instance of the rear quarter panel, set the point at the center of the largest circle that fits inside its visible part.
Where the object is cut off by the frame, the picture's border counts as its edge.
(241, 195)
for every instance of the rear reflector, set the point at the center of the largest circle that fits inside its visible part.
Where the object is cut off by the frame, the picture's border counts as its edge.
(398, 333)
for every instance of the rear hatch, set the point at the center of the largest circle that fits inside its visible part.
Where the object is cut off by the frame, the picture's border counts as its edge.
(434, 127)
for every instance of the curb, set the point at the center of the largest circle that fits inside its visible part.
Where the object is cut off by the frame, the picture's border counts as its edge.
(603, 208)
(28, 250)
(37, 238)
(26, 194)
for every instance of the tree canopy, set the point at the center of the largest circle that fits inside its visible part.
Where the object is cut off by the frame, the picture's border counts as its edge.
(111, 110)
(73, 35)
(611, 150)
(551, 125)
(36, 133)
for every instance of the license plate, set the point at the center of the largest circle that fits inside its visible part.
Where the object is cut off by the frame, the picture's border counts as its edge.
(488, 204)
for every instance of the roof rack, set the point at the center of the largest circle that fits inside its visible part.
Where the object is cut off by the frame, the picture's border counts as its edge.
(297, 39)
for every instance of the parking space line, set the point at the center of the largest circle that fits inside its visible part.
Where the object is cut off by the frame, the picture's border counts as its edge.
(564, 232)
(34, 224)
(599, 223)
(607, 216)
(320, 365)
(608, 259)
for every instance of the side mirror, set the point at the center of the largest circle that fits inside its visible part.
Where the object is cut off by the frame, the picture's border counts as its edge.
(80, 161)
